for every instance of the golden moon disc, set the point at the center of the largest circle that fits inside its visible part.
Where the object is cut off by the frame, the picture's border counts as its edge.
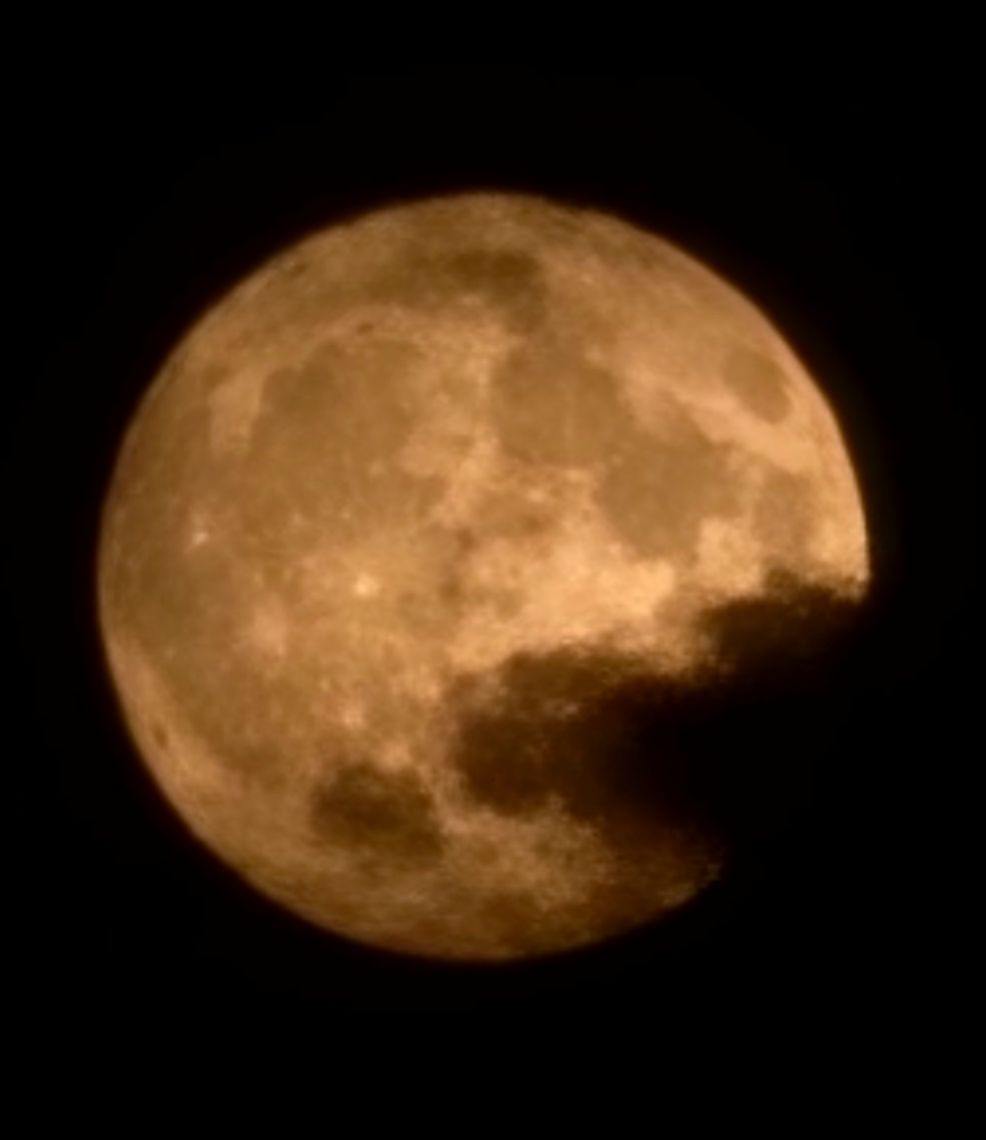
(411, 538)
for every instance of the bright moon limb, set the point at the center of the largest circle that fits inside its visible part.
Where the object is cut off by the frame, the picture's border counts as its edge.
(419, 534)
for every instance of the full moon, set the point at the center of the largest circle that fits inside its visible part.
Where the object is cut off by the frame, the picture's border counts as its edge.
(410, 539)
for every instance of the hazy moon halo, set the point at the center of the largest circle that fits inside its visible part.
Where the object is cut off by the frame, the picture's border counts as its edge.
(379, 513)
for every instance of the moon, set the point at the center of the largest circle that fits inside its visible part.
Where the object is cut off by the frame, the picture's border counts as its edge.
(414, 536)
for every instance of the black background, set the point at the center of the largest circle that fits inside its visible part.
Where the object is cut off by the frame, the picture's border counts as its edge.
(841, 205)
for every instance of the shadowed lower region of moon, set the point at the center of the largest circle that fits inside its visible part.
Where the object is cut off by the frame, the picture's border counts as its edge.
(469, 572)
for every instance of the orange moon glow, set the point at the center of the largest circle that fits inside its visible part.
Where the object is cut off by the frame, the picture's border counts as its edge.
(408, 528)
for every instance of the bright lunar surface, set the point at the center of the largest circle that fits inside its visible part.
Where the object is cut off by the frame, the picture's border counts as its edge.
(410, 528)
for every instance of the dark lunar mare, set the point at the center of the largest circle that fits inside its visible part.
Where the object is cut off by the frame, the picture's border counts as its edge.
(380, 815)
